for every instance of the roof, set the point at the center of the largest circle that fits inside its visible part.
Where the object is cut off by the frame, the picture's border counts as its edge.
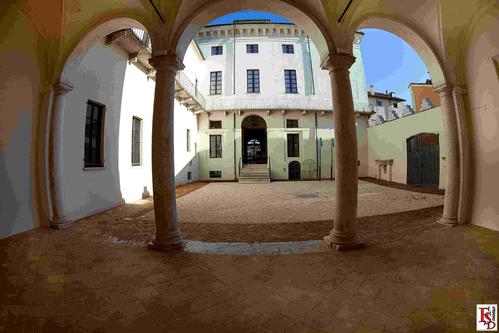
(385, 96)
(239, 22)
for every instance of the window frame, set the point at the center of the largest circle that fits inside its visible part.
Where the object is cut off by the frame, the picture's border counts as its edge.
(86, 164)
(289, 76)
(252, 48)
(139, 163)
(216, 151)
(288, 49)
(292, 145)
(292, 120)
(217, 50)
(255, 81)
(216, 83)
(212, 122)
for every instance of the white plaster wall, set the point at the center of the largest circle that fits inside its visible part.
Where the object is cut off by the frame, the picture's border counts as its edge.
(271, 61)
(185, 161)
(138, 100)
(98, 76)
(482, 77)
(388, 141)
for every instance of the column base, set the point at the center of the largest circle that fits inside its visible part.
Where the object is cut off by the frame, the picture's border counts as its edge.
(175, 245)
(448, 221)
(62, 223)
(353, 243)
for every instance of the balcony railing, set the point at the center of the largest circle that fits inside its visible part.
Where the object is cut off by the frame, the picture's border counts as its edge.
(142, 36)
(191, 89)
(219, 103)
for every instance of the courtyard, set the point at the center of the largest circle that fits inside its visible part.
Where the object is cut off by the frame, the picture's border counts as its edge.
(414, 276)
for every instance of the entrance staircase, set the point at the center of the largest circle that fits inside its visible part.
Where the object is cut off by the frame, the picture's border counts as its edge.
(254, 174)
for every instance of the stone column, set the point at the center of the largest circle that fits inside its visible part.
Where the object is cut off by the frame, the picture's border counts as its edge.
(60, 218)
(344, 234)
(451, 202)
(168, 235)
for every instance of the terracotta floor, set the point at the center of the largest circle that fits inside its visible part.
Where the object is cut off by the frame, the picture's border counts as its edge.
(415, 276)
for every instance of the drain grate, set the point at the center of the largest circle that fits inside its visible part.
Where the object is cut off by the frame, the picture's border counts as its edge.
(307, 196)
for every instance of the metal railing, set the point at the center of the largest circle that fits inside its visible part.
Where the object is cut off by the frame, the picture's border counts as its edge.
(269, 103)
(191, 89)
(142, 36)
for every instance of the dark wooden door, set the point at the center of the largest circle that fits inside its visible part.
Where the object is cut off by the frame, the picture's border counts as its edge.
(294, 170)
(423, 160)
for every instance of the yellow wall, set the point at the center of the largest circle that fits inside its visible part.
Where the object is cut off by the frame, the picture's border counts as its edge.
(388, 141)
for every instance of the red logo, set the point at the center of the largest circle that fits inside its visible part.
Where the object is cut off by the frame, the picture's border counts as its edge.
(486, 317)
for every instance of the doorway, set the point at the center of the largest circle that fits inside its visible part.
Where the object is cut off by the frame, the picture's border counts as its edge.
(423, 160)
(254, 136)
(294, 170)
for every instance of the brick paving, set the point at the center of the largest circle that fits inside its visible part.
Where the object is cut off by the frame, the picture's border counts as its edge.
(422, 279)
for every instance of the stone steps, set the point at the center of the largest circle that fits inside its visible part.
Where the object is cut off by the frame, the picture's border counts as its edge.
(254, 174)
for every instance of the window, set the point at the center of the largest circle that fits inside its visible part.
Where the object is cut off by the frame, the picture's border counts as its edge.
(216, 146)
(293, 145)
(290, 81)
(188, 140)
(288, 49)
(395, 105)
(215, 174)
(251, 48)
(136, 139)
(217, 50)
(189, 175)
(215, 83)
(253, 80)
(292, 123)
(379, 103)
(94, 130)
(215, 124)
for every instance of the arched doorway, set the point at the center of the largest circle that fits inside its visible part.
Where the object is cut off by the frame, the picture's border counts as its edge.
(294, 170)
(254, 140)
(423, 160)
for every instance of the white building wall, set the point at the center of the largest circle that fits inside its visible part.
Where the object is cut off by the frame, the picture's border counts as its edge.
(97, 76)
(104, 75)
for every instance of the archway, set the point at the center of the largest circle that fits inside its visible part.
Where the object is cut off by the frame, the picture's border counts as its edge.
(423, 155)
(85, 118)
(254, 140)
(433, 60)
(294, 170)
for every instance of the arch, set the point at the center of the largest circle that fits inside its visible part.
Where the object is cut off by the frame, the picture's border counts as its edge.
(253, 122)
(101, 27)
(210, 10)
(423, 47)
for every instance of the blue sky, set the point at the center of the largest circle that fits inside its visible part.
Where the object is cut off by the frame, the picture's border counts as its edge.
(390, 63)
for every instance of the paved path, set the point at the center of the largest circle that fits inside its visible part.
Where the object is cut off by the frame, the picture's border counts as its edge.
(287, 202)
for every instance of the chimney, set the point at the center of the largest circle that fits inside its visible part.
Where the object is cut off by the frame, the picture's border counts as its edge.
(371, 89)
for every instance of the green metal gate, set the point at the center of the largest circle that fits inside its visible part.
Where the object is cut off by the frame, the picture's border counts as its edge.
(423, 160)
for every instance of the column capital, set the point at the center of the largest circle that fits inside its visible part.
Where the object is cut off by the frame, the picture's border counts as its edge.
(443, 89)
(61, 88)
(338, 61)
(166, 62)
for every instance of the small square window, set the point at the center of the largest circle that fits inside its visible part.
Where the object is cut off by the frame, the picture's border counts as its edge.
(215, 124)
(379, 103)
(252, 48)
(288, 49)
(217, 50)
(291, 123)
(395, 105)
(215, 174)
